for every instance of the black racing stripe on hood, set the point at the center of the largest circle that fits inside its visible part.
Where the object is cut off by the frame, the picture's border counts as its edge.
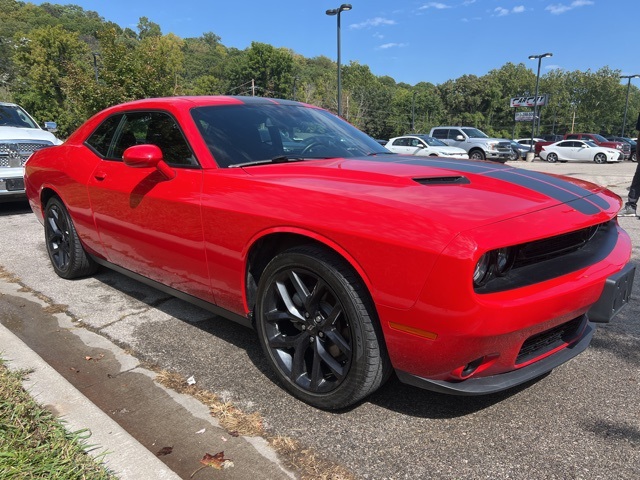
(553, 187)
(558, 182)
(467, 166)
(543, 186)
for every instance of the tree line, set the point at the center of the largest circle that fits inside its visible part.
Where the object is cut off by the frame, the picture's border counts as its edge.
(64, 63)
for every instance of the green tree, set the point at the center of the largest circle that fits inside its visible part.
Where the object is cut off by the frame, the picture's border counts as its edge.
(45, 59)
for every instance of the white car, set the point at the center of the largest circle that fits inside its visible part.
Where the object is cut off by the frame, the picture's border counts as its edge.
(20, 136)
(578, 150)
(424, 146)
(527, 141)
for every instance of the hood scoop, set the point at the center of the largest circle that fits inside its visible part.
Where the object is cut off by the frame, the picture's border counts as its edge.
(448, 180)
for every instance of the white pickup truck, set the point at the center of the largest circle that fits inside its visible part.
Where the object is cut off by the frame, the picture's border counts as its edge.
(478, 145)
(20, 136)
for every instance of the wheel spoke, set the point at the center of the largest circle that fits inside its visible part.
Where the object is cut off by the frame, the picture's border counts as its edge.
(298, 364)
(339, 341)
(275, 316)
(288, 301)
(322, 355)
(280, 341)
(312, 300)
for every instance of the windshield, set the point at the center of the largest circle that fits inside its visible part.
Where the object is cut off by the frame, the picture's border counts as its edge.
(474, 133)
(433, 142)
(591, 143)
(600, 138)
(14, 116)
(241, 134)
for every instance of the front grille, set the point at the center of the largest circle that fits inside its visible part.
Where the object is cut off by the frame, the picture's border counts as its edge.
(542, 260)
(16, 153)
(540, 250)
(544, 342)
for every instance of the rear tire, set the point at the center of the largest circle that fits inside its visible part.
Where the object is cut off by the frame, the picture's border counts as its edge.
(552, 158)
(318, 328)
(67, 255)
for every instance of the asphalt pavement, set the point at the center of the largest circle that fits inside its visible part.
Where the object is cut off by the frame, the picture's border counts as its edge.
(95, 343)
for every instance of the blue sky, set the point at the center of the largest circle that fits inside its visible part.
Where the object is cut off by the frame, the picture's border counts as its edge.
(411, 40)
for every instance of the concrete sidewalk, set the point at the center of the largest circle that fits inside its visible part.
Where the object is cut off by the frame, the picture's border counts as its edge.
(92, 384)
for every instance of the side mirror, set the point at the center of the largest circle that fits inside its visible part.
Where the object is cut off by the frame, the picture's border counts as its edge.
(147, 156)
(459, 138)
(420, 145)
(51, 127)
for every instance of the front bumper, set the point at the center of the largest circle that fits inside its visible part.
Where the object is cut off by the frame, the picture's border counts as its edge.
(12, 184)
(504, 381)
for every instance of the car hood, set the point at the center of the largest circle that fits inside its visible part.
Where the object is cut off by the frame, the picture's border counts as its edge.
(17, 133)
(442, 190)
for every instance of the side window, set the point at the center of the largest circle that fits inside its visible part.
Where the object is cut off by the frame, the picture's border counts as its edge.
(164, 132)
(440, 133)
(156, 128)
(453, 133)
(101, 138)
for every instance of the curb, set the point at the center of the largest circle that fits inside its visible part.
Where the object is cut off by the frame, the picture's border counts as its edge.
(122, 454)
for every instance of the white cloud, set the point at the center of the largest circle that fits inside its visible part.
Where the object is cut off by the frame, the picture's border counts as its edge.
(436, 5)
(559, 8)
(468, 2)
(373, 22)
(501, 12)
(392, 45)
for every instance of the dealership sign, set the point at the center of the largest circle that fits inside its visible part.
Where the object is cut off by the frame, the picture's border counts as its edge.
(529, 101)
(524, 117)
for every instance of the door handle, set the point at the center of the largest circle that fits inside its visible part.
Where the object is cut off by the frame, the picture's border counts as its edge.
(100, 176)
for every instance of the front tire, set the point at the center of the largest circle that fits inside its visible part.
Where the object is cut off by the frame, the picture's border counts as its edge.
(318, 328)
(477, 155)
(634, 156)
(67, 255)
(600, 158)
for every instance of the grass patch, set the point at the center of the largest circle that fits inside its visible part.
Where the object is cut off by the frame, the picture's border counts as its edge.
(34, 444)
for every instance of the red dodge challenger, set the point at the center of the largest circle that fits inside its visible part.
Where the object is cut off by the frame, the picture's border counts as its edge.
(350, 262)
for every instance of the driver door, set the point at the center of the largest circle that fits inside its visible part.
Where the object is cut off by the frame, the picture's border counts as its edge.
(150, 224)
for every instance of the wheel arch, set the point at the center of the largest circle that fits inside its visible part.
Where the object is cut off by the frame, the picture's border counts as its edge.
(269, 244)
(477, 149)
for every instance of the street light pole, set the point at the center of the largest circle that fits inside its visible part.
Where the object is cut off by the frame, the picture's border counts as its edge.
(336, 11)
(626, 103)
(535, 98)
(95, 64)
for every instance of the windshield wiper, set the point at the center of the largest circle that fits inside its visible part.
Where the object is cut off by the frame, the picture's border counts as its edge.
(373, 154)
(269, 161)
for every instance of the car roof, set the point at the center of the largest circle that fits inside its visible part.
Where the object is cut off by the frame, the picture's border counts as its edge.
(210, 100)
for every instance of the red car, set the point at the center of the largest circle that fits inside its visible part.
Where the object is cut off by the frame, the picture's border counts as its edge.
(350, 262)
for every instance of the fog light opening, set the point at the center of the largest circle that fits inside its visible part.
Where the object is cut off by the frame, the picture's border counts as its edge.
(471, 367)
(474, 367)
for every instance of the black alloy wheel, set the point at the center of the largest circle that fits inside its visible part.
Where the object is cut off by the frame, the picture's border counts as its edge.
(65, 251)
(318, 328)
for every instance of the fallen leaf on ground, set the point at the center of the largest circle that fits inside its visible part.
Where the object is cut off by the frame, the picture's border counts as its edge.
(164, 451)
(216, 461)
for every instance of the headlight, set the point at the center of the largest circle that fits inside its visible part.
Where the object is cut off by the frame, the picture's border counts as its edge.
(481, 273)
(495, 263)
(504, 260)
